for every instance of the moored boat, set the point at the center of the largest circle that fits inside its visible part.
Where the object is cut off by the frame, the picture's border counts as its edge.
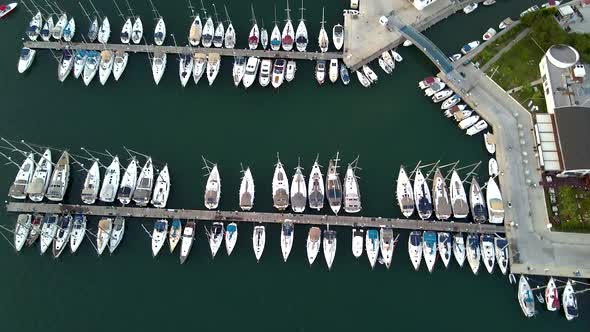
(458, 197)
(143, 191)
(445, 248)
(175, 234)
(477, 201)
(477, 128)
(239, 69)
(69, 30)
(344, 76)
(494, 202)
(188, 237)
(62, 238)
(372, 246)
(470, 46)
(428, 82)
(422, 196)
(487, 252)
(126, 31)
(357, 242)
(160, 32)
(254, 35)
(265, 72)
(185, 68)
(25, 59)
(525, 297)
(459, 248)
(552, 296)
(24, 176)
(35, 25)
(161, 189)
(301, 38)
(429, 249)
(323, 40)
(213, 189)
(363, 79)
(333, 185)
(313, 243)
(208, 32)
(333, 70)
(158, 66)
(489, 141)
(338, 36)
(34, 229)
(404, 193)
(316, 187)
(137, 31)
(48, 231)
(231, 237)
(570, 303)
(105, 227)
(213, 64)
(117, 233)
(278, 73)
(215, 236)
(59, 179)
(78, 232)
(351, 192)
(247, 191)
(370, 74)
(440, 196)
(91, 184)
(490, 33)
(288, 35)
(106, 66)
(79, 62)
(387, 245)
(501, 249)
(110, 184)
(280, 187)
(21, 230)
(128, 183)
(258, 241)
(91, 66)
(473, 252)
(470, 8)
(199, 66)
(41, 178)
(298, 191)
(287, 238)
(415, 248)
(320, 71)
(159, 236)
(66, 63)
(442, 95)
(329, 247)
(104, 32)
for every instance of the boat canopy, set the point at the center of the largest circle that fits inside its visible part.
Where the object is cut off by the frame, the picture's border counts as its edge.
(430, 236)
(104, 224)
(314, 233)
(24, 52)
(275, 42)
(288, 40)
(415, 239)
(373, 234)
(338, 30)
(288, 228)
(253, 39)
(159, 36)
(231, 228)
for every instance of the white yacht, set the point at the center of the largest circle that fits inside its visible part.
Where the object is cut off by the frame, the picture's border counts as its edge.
(161, 188)
(487, 252)
(372, 246)
(239, 69)
(258, 241)
(47, 29)
(105, 227)
(104, 32)
(525, 297)
(501, 249)
(24, 176)
(287, 238)
(363, 79)
(263, 36)
(301, 38)
(489, 142)
(323, 40)
(477, 128)
(199, 67)
(459, 248)
(143, 191)
(137, 31)
(415, 248)
(444, 241)
(106, 65)
(315, 187)
(440, 196)
(160, 32)
(215, 235)
(80, 58)
(128, 183)
(422, 199)
(213, 64)
(333, 70)
(333, 185)
(329, 247)
(254, 35)
(208, 32)
(404, 193)
(358, 236)
(370, 74)
(158, 66)
(188, 237)
(388, 59)
(468, 121)
(288, 35)
(493, 167)
(230, 33)
(66, 63)
(91, 184)
(48, 231)
(126, 31)
(62, 238)
(219, 34)
(473, 252)
(40, 180)
(552, 296)
(384, 66)
(120, 64)
(185, 68)
(278, 73)
(21, 230)
(159, 236)
(250, 72)
(25, 59)
(396, 56)
(58, 28)
(570, 303)
(313, 244)
(247, 191)
(351, 192)
(59, 179)
(477, 202)
(320, 71)
(494, 202)
(265, 72)
(117, 233)
(280, 187)
(458, 197)
(429, 249)
(213, 189)
(275, 36)
(338, 36)
(35, 25)
(298, 191)
(195, 33)
(174, 234)
(110, 184)
(78, 232)
(442, 95)
(291, 69)
(387, 245)
(34, 230)
(231, 237)
(91, 66)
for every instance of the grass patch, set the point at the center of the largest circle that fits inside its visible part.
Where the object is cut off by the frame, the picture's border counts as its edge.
(497, 44)
(574, 210)
(528, 93)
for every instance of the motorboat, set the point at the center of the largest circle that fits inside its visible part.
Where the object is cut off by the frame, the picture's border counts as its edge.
(247, 191)
(110, 184)
(478, 203)
(291, 69)
(384, 66)
(370, 74)
(213, 189)
(404, 193)
(459, 248)
(357, 242)
(363, 79)
(34, 229)
(258, 241)
(351, 192)
(550, 4)
(387, 245)
(468, 122)
(458, 112)
(301, 38)
(323, 40)
(315, 187)
(35, 25)
(458, 197)
(278, 73)
(338, 36)
(105, 227)
(161, 189)
(415, 248)
(117, 233)
(329, 247)
(185, 68)
(104, 32)
(477, 128)
(450, 102)
(213, 64)
(199, 67)
(58, 29)
(440, 196)
(107, 60)
(428, 82)
(41, 177)
(455, 57)
(287, 238)
(159, 236)
(407, 43)
(531, 9)
(21, 230)
(489, 2)
(78, 232)
(62, 238)
(239, 69)
(47, 29)
(215, 235)
(434, 88)
(429, 249)
(79, 62)
(505, 23)
(128, 183)
(470, 46)
(231, 237)
(91, 66)
(280, 187)
(126, 31)
(174, 234)
(490, 33)
(219, 34)
(313, 244)
(396, 56)
(501, 249)
(230, 35)
(160, 32)
(470, 8)
(59, 179)
(66, 63)
(320, 71)
(333, 186)
(388, 59)
(552, 296)
(288, 35)
(333, 70)
(92, 33)
(254, 35)
(24, 176)
(344, 76)
(494, 202)
(525, 297)
(473, 252)
(251, 71)
(445, 247)
(120, 64)
(422, 197)
(69, 30)
(275, 37)
(570, 303)
(91, 184)
(487, 252)
(489, 141)
(137, 31)
(188, 237)
(372, 246)
(298, 191)
(442, 95)
(194, 35)
(48, 231)
(158, 66)
(143, 191)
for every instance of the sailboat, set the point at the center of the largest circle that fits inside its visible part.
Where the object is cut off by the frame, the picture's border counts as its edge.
(351, 191)
(422, 196)
(323, 40)
(525, 297)
(219, 31)
(34, 229)
(48, 231)
(106, 66)
(230, 33)
(250, 72)
(429, 249)
(494, 202)
(59, 179)
(357, 242)
(501, 249)
(66, 62)
(128, 183)
(287, 237)
(120, 64)
(265, 72)
(552, 296)
(280, 187)
(239, 69)
(333, 70)
(320, 71)
(444, 247)
(40, 180)
(160, 29)
(247, 191)
(137, 31)
(473, 252)
(440, 196)
(58, 28)
(159, 236)
(104, 32)
(278, 73)
(459, 248)
(117, 233)
(158, 66)
(291, 69)
(370, 74)
(365, 82)
(487, 252)
(372, 246)
(188, 237)
(301, 33)
(254, 35)
(338, 36)
(386, 68)
(195, 31)
(316, 187)
(231, 237)
(387, 245)
(329, 247)
(92, 32)
(258, 241)
(62, 237)
(143, 190)
(105, 226)
(288, 35)
(78, 232)
(161, 188)
(21, 230)
(404, 193)
(185, 68)
(344, 76)
(313, 244)
(213, 189)
(215, 235)
(35, 25)
(458, 197)
(333, 185)
(175, 234)
(79, 62)
(110, 184)
(126, 31)
(275, 36)
(91, 184)
(47, 29)
(478, 204)
(570, 303)
(91, 66)
(208, 31)
(69, 30)
(213, 64)
(415, 248)
(298, 191)
(24, 176)
(263, 36)
(199, 67)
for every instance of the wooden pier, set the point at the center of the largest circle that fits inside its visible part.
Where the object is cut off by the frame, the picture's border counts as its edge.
(130, 48)
(263, 217)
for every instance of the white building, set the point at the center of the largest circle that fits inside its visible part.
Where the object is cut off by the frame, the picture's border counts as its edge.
(421, 4)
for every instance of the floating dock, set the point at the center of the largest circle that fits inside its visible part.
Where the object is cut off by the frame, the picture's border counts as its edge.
(254, 217)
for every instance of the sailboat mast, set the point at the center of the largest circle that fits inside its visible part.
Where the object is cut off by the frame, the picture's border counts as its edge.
(95, 11)
(129, 7)
(190, 6)
(253, 17)
(119, 10)
(302, 9)
(288, 12)
(226, 14)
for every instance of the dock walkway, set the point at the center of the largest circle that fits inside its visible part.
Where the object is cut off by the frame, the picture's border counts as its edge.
(254, 217)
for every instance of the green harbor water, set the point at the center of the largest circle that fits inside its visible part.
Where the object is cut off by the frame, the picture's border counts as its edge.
(387, 125)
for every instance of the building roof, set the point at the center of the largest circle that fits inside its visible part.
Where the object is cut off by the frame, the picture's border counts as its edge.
(574, 140)
(568, 91)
